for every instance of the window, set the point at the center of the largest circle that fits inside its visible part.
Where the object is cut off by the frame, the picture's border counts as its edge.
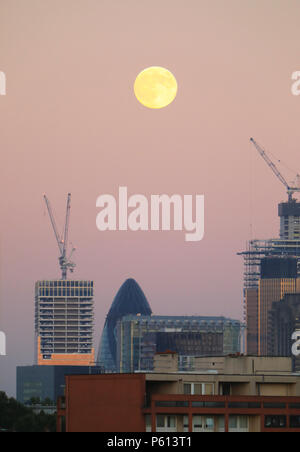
(226, 389)
(148, 421)
(275, 421)
(166, 423)
(203, 423)
(174, 404)
(198, 389)
(238, 424)
(294, 406)
(275, 405)
(295, 421)
(208, 404)
(244, 405)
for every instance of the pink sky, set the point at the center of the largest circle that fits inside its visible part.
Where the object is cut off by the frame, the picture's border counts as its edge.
(70, 123)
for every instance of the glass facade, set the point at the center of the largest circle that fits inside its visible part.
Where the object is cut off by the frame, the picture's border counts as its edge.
(130, 299)
(139, 338)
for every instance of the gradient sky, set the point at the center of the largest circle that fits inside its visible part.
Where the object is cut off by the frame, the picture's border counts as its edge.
(70, 123)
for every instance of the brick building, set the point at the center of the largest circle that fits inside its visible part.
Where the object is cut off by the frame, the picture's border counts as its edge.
(225, 394)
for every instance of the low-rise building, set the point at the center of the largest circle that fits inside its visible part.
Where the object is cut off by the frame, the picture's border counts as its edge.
(222, 394)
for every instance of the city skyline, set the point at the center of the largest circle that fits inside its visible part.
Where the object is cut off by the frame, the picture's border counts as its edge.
(71, 123)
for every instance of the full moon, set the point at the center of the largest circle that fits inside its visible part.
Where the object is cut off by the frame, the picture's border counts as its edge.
(155, 87)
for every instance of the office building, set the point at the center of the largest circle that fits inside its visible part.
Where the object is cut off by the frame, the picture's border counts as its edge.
(288, 246)
(130, 299)
(289, 213)
(225, 394)
(139, 338)
(278, 277)
(46, 382)
(285, 318)
(64, 316)
(251, 307)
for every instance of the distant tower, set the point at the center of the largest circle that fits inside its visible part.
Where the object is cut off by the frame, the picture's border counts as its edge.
(130, 299)
(289, 213)
(64, 316)
(64, 311)
(278, 278)
(257, 303)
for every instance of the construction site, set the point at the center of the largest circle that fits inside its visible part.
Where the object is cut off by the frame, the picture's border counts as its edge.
(287, 245)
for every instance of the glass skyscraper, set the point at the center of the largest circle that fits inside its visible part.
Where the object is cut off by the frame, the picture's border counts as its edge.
(130, 299)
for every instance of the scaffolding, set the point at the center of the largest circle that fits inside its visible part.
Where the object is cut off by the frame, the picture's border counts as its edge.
(257, 250)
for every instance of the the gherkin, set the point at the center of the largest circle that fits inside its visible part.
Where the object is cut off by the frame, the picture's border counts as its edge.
(130, 299)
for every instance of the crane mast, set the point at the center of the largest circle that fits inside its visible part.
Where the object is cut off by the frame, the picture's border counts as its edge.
(62, 240)
(290, 190)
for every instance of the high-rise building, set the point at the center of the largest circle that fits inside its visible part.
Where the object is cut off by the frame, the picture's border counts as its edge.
(288, 246)
(251, 304)
(286, 321)
(278, 277)
(139, 338)
(130, 299)
(64, 316)
(289, 213)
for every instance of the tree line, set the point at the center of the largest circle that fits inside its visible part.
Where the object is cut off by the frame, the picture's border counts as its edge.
(15, 417)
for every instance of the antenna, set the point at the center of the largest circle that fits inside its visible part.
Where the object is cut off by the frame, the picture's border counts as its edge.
(62, 241)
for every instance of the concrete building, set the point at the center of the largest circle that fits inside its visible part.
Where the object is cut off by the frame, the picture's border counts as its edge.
(139, 338)
(289, 213)
(64, 316)
(222, 394)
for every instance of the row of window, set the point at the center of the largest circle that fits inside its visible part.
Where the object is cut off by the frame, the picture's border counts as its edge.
(206, 423)
(242, 405)
(281, 421)
(66, 292)
(64, 283)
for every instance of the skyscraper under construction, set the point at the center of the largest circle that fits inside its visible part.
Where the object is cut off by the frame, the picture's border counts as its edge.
(260, 289)
(64, 311)
(64, 323)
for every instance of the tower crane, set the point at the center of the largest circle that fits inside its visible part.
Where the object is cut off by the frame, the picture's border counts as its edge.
(62, 240)
(290, 190)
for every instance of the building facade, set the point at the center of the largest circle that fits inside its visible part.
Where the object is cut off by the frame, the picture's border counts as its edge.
(288, 245)
(130, 299)
(289, 213)
(64, 323)
(251, 308)
(46, 382)
(225, 394)
(278, 277)
(285, 318)
(139, 338)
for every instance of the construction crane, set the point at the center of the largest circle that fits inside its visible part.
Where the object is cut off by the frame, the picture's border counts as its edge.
(62, 240)
(290, 190)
